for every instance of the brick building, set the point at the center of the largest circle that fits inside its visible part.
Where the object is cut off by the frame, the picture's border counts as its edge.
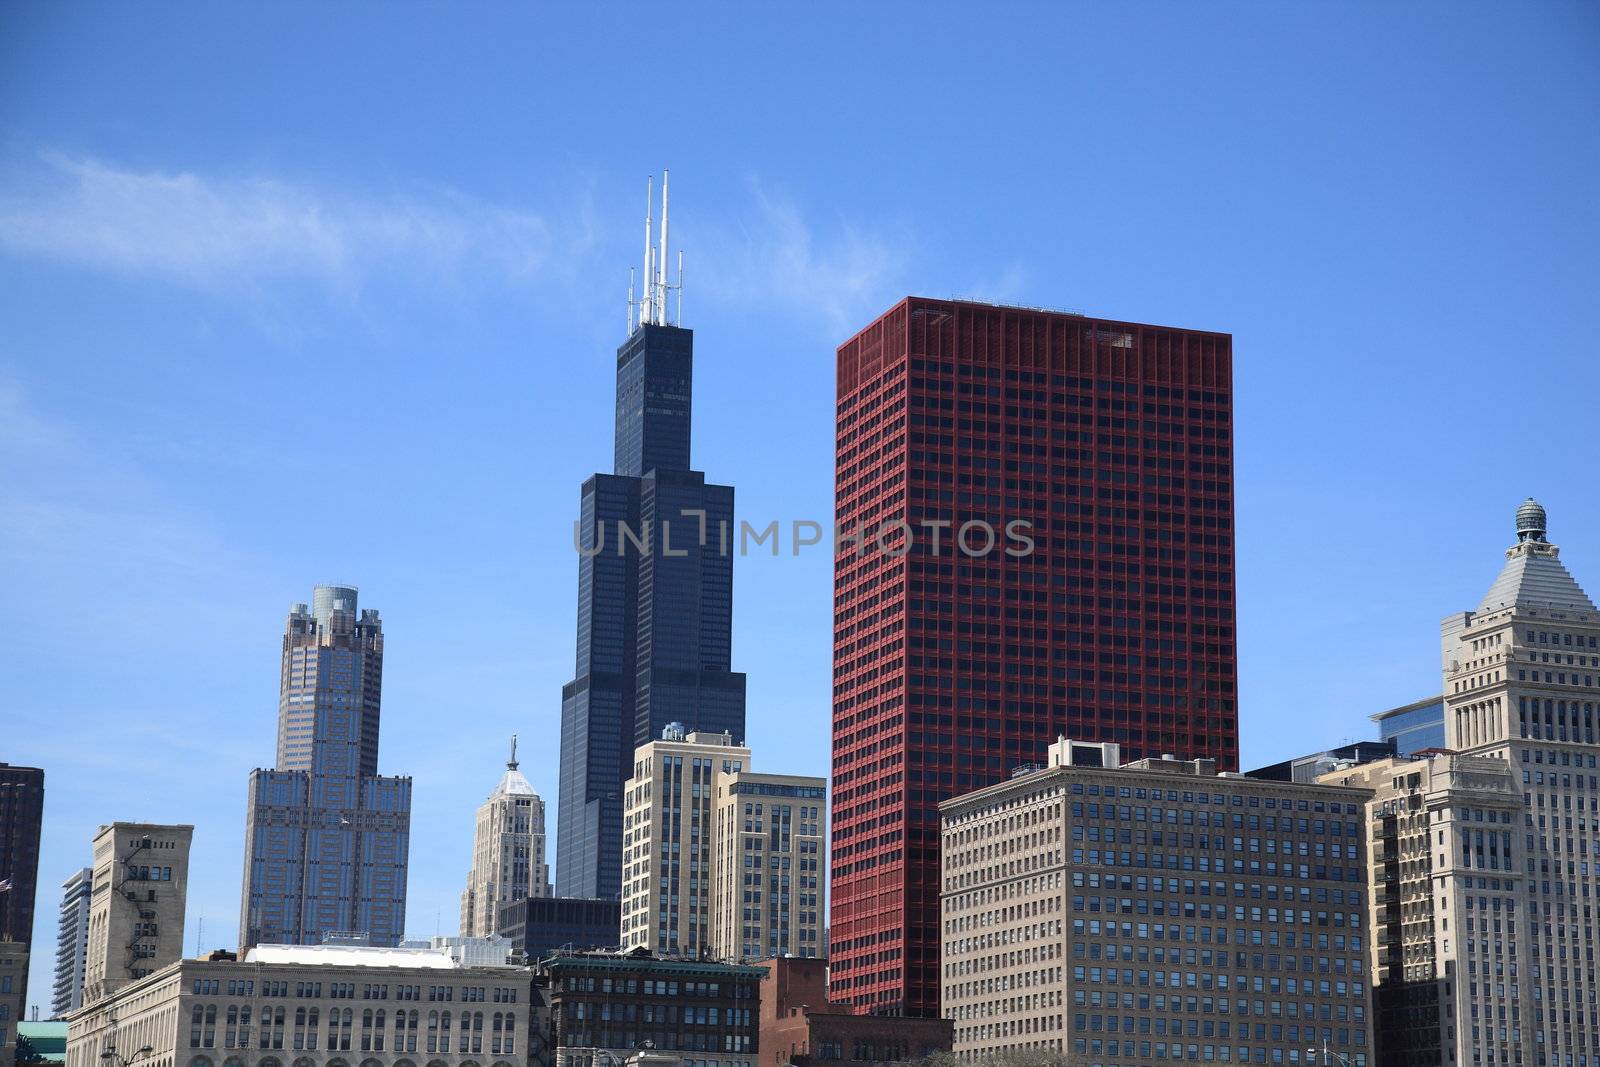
(800, 1026)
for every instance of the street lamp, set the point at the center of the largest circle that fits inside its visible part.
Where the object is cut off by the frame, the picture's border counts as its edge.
(110, 1058)
(1311, 1052)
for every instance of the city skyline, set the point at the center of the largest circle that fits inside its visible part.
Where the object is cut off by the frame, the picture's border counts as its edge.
(458, 301)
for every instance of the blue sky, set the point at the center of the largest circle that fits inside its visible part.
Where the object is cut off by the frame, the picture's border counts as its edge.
(305, 293)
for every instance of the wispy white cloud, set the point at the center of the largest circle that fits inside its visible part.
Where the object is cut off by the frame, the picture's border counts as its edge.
(774, 255)
(215, 232)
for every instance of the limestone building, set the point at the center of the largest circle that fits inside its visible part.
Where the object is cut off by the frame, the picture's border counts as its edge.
(1446, 873)
(508, 853)
(313, 1006)
(668, 828)
(1154, 911)
(136, 904)
(766, 866)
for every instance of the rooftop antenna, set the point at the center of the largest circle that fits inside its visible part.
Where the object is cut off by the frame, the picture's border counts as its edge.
(648, 304)
(661, 263)
(630, 300)
(646, 288)
(512, 764)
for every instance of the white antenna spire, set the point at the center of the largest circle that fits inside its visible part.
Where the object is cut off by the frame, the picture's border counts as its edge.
(661, 263)
(649, 305)
(645, 298)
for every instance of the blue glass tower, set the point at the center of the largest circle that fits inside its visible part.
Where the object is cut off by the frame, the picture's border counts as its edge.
(326, 838)
(655, 604)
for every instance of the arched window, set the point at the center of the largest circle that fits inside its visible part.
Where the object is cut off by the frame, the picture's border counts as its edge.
(511, 1032)
(366, 1030)
(200, 1061)
(209, 1038)
(197, 1016)
(433, 1031)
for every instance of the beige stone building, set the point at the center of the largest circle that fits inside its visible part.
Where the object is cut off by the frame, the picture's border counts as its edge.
(508, 853)
(1155, 911)
(1487, 867)
(766, 896)
(136, 905)
(314, 1006)
(1446, 874)
(667, 832)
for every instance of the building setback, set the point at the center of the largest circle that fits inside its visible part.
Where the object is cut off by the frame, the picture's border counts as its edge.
(1155, 911)
(655, 599)
(136, 906)
(315, 1006)
(72, 942)
(1108, 614)
(21, 816)
(507, 853)
(326, 838)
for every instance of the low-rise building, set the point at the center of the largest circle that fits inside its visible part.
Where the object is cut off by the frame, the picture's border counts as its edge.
(800, 1026)
(42, 1044)
(607, 1007)
(313, 1006)
(1155, 911)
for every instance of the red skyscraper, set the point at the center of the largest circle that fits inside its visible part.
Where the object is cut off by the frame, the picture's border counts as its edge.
(955, 663)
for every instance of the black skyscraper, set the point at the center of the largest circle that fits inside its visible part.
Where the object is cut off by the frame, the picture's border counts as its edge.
(655, 604)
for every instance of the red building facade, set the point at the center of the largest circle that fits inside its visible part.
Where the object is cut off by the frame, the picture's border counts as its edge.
(1098, 456)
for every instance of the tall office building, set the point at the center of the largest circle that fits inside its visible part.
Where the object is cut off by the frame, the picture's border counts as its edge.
(21, 815)
(1485, 872)
(1447, 867)
(668, 830)
(766, 866)
(1522, 683)
(326, 838)
(1156, 911)
(140, 885)
(655, 596)
(72, 943)
(507, 853)
(1036, 516)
